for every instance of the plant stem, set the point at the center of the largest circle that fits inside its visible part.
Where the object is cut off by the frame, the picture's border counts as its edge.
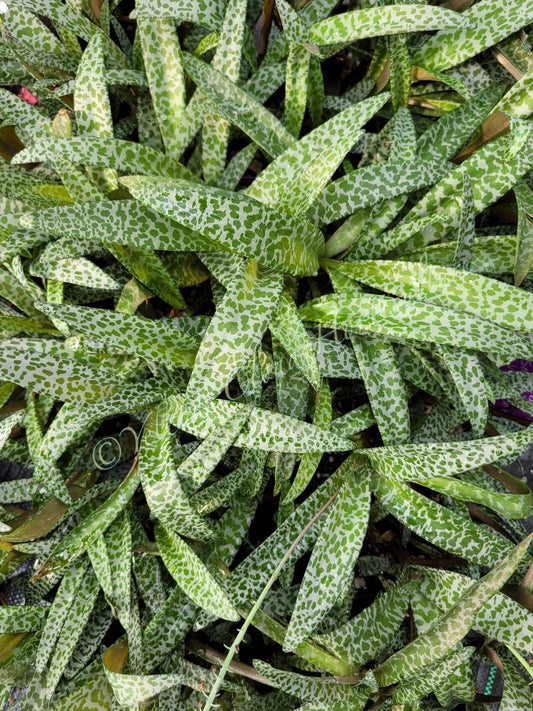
(240, 636)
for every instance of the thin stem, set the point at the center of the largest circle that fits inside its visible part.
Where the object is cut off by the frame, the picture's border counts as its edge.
(247, 622)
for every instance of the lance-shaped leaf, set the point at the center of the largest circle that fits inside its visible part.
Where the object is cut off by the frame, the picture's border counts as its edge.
(296, 83)
(401, 320)
(55, 372)
(310, 462)
(78, 608)
(59, 612)
(290, 332)
(207, 13)
(160, 341)
(298, 175)
(462, 291)
(483, 25)
(385, 387)
(238, 106)
(239, 223)
(510, 505)
(265, 430)
(121, 221)
(493, 169)
(388, 20)
(168, 627)
(22, 618)
(236, 329)
(500, 617)
(363, 638)
(372, 183)
(333, 557)
(453, 626)
(435, 676)
(467, 228)
(416, 462)
(467, 373)
(435, 523)
(126, 156)
(192, 576)
(148, 268)
(324, 690)
(81, 537)
(91, 103)
(162, 62)
(400, 70)
(524, 233)
(227, 59)
(69, 17)
(162, 487)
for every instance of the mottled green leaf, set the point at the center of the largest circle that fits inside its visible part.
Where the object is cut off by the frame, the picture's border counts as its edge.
(385, 20)
(333, 557)
(236, 105)
(192, 576)
(401, 320)
(453, 626)
(233, 220)
(483, 25)
(236, 330)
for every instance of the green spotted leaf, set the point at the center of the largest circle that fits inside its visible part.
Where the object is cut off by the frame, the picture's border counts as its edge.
(324, 690)
(483, 25)
(236, 330)
(192, 576)
(439, 525)
(298, 175)
(454, 289)
(162, 62)
(387, 20)
(453, 626)
(412, 462)
(265, 430)
(121, 221)
(288, 329)
(161, 341)
(524, 237)
(231, 219)
(126, 156)
(163, 489)
(385, 387)
(54, 371)
(381, 621)
(236, 105)
(333, 557)
(501, 617)
(401, 320)
(76, 542)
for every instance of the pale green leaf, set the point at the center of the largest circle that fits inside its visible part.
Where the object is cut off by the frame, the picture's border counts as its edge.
(236, 330)
(401, 320)
(299, 174)
(162, 62)
(236, 105)
(333, 558)
(192, 576)
(483, 25)
(385, 20)
(440, 526)
(453, 626)
(271, 236)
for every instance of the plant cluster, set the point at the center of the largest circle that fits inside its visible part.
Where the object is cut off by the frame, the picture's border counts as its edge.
(261, 265)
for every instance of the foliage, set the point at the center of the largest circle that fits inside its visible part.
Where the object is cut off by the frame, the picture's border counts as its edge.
(261, 267)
